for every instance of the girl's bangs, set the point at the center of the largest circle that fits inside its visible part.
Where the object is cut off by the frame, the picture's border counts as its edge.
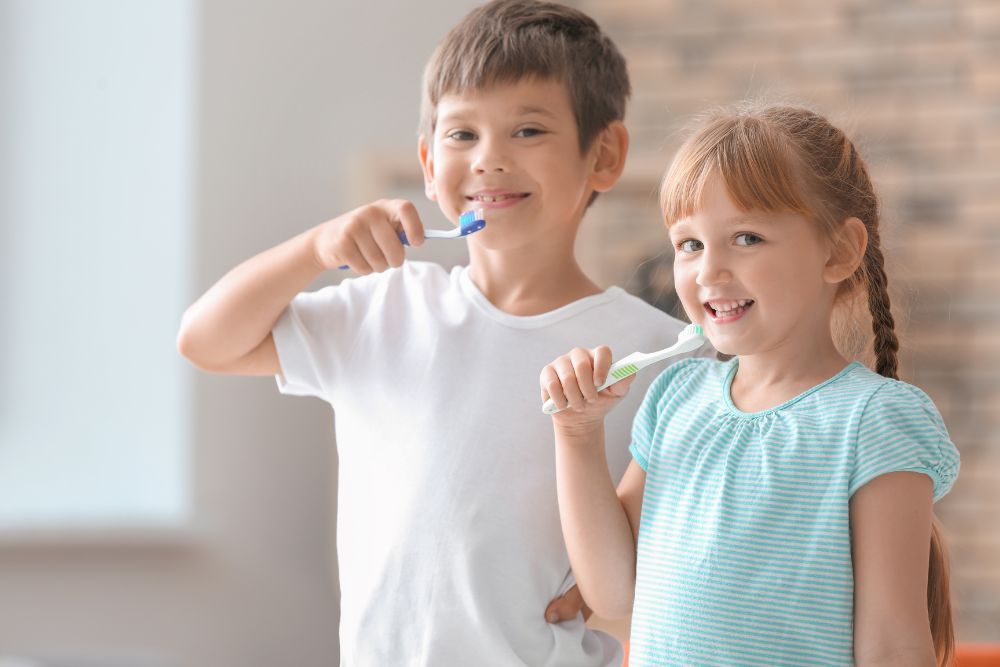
(758, 168)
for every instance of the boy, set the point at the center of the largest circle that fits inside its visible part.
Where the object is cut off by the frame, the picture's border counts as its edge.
(448, 533)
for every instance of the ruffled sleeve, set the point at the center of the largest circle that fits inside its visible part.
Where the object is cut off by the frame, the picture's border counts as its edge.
(901, 430)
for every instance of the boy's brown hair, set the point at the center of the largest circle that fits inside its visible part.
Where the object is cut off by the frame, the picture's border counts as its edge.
(505, 41)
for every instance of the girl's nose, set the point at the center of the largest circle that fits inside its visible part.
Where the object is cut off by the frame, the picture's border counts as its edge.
(712, 269)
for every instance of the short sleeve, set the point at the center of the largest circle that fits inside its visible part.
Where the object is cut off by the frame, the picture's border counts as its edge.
(902, 431)
(644, 426)
(313, 335)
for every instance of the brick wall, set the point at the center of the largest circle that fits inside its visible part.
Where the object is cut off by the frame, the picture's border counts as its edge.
(918, 85)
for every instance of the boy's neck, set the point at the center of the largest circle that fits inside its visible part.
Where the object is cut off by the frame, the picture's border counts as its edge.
(527, 282)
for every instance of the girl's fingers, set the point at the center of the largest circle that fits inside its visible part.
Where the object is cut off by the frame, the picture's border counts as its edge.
(570, 384)
(552, 387)
(602, 364)
(620, 388)
(583, 367)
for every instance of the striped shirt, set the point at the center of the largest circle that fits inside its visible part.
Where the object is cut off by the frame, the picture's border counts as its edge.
(744, 553)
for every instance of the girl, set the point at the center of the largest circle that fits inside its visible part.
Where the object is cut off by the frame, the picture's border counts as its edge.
(778, 508)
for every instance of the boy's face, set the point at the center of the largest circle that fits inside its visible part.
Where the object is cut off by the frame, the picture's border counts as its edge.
(513, 150)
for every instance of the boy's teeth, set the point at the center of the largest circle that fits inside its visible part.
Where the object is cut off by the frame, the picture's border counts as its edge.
(494, 198)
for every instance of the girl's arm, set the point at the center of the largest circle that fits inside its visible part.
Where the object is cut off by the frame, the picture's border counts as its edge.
(599, 523)
(890, 544)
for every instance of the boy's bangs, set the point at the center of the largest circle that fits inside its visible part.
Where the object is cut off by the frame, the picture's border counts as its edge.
(478, 66)
(757, 167)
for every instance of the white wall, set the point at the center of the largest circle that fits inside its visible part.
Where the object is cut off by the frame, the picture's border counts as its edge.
(289, 96)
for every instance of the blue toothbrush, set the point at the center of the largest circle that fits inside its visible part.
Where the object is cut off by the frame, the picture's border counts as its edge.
(469, 222)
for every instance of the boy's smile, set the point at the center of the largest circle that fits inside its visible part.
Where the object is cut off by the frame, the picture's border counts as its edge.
(512, 149)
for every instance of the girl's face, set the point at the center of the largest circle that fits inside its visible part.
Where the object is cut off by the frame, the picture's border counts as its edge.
(753, 280)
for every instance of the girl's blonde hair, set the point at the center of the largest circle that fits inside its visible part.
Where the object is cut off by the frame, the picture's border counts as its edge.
(789, 159)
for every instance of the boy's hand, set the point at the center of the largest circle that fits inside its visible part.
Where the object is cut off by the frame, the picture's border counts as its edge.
(367, 238)
(566, 608)
(572, 380)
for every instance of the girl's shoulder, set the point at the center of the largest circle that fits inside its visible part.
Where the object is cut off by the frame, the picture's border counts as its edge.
(900, 429)
(689, 376)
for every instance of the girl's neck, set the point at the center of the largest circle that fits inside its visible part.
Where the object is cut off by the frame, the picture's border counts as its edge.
(767, 379)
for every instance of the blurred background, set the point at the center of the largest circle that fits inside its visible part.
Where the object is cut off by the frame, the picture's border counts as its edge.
(151, 515)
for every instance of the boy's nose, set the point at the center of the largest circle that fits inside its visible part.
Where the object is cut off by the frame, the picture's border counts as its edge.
(490, 158)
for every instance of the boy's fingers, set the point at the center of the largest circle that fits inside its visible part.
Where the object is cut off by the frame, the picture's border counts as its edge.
(406, 213)
(567, 607)
(352, 257)
(388, 242)
(602, 364)
(583, 366)
(370, 250)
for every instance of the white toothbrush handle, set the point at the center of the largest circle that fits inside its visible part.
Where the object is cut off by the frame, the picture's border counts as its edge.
(637, 364)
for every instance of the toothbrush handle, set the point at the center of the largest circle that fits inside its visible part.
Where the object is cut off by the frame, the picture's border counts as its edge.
(400, 234)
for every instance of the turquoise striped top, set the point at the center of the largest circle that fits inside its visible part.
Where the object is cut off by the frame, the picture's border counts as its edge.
(744, 554)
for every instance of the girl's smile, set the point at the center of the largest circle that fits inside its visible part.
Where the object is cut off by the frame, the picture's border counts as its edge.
(754, 279)
(726, 311)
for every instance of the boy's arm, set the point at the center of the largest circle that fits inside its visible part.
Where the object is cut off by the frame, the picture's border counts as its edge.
(890, 548)
(228, 329)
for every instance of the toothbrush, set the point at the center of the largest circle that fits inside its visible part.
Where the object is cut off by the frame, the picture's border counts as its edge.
(469, 222)
(691, 338)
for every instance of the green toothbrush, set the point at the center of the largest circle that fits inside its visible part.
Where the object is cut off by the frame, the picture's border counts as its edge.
(690, 338)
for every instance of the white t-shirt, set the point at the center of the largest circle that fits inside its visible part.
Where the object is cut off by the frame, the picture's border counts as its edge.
(448, 533)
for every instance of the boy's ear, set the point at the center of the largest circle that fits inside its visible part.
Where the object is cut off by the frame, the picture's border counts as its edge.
(427, 165)
(847, 251)
(611, 149)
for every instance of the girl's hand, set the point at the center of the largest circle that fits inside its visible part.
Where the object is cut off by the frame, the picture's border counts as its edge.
(367, 238)
(572, 380)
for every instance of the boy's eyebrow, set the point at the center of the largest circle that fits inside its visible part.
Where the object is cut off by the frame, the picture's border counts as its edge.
(527, 110)
(460, 114)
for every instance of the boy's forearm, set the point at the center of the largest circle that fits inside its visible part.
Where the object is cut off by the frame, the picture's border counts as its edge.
(595, 527)
(238, 312)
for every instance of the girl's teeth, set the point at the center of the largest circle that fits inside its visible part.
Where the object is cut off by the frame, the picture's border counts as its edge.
(722, 310)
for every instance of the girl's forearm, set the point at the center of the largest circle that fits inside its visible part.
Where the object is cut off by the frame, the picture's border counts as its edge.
(238, 312)
(596, 529)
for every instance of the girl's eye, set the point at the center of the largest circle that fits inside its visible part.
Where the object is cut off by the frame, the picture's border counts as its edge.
(461, 135)
(690, 245)
(748, 238)
(529, 132)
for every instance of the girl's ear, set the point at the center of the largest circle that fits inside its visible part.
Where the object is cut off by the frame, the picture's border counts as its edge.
(610, 150)
(427, 165)
(847, 251)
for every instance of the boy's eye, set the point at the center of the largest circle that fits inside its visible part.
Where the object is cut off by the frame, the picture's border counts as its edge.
(747, 238)
(529, 132)
(690, 245)
(460, 135)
